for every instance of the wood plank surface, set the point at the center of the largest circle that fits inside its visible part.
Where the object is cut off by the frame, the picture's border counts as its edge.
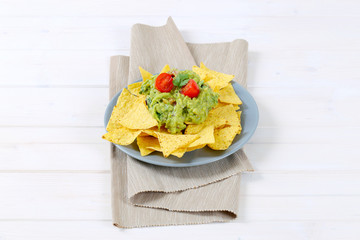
(303, 72)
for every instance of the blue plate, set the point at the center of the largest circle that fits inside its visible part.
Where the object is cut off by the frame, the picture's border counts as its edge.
(249, 122)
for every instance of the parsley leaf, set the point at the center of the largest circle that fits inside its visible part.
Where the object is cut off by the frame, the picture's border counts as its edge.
(181, 79)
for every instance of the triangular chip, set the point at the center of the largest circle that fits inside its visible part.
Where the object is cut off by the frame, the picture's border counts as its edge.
(206, 137)
(134, 88)
(212, 119)
(216, 84)
(228, 112)
(221, 104)
(169, 142)
(145, 74)
(189, 149)
(204, 75)
(239, 116)
(152, 131)
(228, 95)
(138, 116)
(224, 76)
(179, 152)
(223, 138)
(165, 69)
(124, 103)
(154, 145)
(121, 136)
(144, 142)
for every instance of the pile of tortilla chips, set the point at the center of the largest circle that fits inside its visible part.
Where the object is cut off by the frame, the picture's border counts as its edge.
(131, 119)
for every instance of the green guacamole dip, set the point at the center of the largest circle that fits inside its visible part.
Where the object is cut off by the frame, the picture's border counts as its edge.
(173, 109)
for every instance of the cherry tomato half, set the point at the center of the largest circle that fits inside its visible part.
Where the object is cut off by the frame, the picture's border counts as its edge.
(164, 82)
(191, 89)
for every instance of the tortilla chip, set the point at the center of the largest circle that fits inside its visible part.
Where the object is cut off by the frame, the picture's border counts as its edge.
(239, 116)
(223, 138)
(124, 102)
(215, 80)
(151, 131)
(228, 112)
(165, 69)
(206, 137)
(228, 95)
(153, 145)
(144, 142)
(179, 152)
(216, 84)
(224, 76)
(189, 149)
(204, 75)
(121, 136)
(134, 88)
(221, 104)
(145, 74)
(212, 119)
(137, 115)
(169, 142)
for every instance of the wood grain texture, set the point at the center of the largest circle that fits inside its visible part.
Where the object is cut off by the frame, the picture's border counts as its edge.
(303, 72)
(249, 230)
(264, 197)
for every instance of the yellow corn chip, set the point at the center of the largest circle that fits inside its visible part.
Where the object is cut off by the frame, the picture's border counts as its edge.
(165, 69)
(144, 74)
(124, 102)
(204, 75)
(216, 84)
(221, 104)
(144, 142)
(155, 146)
(121, 136)
(189, 149)
(224, 76)
(239, 116)
(138, 116)
(179, 152)
(151, 131)
(169, 142)
(215, 80)
(206, 137)
(228, 95)
(223, 138)
(134, 88)
(228, 112)
(212, 119)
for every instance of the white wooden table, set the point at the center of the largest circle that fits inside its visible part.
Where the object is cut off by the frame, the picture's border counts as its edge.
(304, 61)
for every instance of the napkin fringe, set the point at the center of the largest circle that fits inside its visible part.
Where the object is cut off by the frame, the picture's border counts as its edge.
(231, 213)
(185, 189)
(172, 224)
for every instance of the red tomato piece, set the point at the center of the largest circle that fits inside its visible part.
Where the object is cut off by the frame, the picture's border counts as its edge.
(191, 89)
(164, 82)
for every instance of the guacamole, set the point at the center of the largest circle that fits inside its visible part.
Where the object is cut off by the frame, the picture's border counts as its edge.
(183, 103)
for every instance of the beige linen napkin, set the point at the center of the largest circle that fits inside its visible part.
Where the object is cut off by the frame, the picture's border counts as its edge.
(148, 195)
